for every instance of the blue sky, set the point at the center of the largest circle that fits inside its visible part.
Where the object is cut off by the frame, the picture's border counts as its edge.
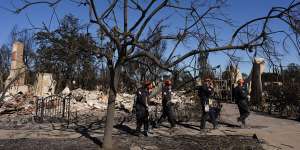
(239, 11)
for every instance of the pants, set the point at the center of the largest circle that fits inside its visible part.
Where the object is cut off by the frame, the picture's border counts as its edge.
(168, 111)
(244, 110)
(212, 114)
(142, 119)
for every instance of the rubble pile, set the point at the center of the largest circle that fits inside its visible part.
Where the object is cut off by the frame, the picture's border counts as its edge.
(20, 103)
(125, 101)
(178, 99)
(85, 100)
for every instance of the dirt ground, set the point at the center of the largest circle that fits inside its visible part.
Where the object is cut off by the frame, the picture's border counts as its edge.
(263, 133)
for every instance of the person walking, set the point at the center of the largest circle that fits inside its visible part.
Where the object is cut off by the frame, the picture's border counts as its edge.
(205, 92)
(241, 99)
(141, 108)
(168, 108)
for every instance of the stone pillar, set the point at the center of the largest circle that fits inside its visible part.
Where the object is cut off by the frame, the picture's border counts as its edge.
(17, 68)
(45, 85)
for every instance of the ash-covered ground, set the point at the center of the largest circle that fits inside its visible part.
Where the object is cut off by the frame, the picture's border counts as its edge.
(90, 139)
(23, 133)
(20, 129)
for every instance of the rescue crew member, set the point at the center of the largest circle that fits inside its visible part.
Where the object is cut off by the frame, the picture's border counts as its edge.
(168, 108)
(241, 99)
(205, 92)
(141, 108)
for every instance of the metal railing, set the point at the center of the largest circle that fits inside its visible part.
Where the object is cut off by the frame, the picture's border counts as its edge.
(53, 108)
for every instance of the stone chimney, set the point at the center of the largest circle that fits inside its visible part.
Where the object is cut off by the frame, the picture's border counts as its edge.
(17, 67)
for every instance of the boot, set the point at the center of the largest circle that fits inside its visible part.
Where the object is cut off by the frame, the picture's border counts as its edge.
(202, 126)
(137, 133)
(243, 126)
(156, 125)
(215, 126)
(145, 133)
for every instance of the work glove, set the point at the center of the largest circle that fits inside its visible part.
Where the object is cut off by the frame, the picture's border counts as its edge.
(248, 98)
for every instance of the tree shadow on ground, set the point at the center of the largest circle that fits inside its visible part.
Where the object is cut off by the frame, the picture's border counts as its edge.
(85, 126)
(190, 126)
(164, 125)
(85, 132)
(125, 129)
(231, 125)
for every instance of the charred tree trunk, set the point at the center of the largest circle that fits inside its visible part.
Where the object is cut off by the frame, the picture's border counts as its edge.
(107, 144)
(113, 90)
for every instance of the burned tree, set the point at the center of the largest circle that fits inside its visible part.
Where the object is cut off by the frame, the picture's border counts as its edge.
(65, 52)
(4, 65)
(124, 40)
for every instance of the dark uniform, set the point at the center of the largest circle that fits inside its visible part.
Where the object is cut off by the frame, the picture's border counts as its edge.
(240, 96)
(141, 110)
(168, 108)
(204, 93)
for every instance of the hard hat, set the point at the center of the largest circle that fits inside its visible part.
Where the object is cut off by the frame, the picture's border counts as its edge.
(240, 81)
(150, 86)
(147, 82)
(207, 80)
(168, 82)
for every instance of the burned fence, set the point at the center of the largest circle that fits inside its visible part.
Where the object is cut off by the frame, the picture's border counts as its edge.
(53, 108)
